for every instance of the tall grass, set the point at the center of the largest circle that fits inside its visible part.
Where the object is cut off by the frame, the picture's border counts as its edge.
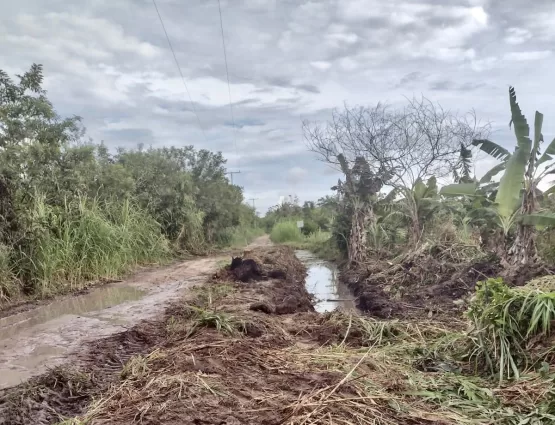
(8, 281)
(319, 242)
(509, 326)
(85, 240)
(286, 231)
(191, 236)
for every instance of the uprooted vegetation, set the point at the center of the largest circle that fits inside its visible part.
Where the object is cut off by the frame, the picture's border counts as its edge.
(411, 246)
(213, 360)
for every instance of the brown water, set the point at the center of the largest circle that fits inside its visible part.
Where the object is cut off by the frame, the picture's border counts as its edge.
(322, 281)
(44, 337)
(97, 299)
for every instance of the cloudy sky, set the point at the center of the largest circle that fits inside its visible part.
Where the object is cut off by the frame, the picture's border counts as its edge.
(108, 61)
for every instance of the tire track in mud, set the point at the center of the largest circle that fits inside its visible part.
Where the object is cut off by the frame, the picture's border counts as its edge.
(67, 390)
(40, 338)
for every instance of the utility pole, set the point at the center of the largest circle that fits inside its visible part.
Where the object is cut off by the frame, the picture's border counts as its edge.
(231, 174)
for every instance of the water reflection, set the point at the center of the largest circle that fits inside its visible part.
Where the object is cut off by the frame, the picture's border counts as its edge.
(322, 281)
(97, 299)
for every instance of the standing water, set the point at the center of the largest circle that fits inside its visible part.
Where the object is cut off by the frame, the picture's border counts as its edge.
(323, 282)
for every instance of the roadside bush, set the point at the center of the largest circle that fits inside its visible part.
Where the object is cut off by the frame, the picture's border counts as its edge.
(86, 240)
(309, 227)
(286, 231)
(74, 211)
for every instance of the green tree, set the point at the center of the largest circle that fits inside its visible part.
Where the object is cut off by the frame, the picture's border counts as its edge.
(516, 202)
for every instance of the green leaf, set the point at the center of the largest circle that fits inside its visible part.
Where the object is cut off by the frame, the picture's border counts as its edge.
(522, 130)
(390, 197)
(419, 190)
(431, 190)
(493, 172)
(461, 189)
(539, 219)
(547, 155)
(510, 186)
(538, 136)
(492, 148)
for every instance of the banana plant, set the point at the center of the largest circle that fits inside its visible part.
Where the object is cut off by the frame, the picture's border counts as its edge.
(416, 205)
(516, 197)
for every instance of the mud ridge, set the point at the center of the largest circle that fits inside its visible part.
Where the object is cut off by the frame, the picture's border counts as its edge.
(427, 282)
(68, 390)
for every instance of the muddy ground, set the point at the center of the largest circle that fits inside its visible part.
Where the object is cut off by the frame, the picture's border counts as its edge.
(41, 335)
(236, 350)
(429, 282)
(214, 333)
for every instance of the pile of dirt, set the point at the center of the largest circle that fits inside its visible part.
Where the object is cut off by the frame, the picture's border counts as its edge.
(278, 265)
(432, 280)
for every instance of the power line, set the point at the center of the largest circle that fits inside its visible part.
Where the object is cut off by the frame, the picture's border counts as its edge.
(179, 68)
(228, 85)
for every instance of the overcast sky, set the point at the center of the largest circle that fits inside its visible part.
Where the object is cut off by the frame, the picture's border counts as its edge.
(108, 61)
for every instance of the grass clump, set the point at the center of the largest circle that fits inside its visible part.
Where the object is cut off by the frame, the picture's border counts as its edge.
(86, 240)
(511, 326)
(318, 241)
(209, 294)
(286, 231)
(202, 318)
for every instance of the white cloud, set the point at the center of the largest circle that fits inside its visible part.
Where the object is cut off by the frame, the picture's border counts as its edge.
(515, 35)
(527, 56)
(484, 64)
(479, 14)
(296, 175)
(321, 65)
(287, 61)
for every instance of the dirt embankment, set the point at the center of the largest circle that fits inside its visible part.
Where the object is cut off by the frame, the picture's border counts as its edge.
(430, 281)
(213, 334)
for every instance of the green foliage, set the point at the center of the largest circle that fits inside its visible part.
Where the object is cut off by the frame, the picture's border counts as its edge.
(286, 231)
(220, 321)
(73, 211)
(506, 324)
(238, 236)
(84, 240)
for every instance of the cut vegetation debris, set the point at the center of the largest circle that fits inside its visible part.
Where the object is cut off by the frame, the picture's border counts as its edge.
(213, 360)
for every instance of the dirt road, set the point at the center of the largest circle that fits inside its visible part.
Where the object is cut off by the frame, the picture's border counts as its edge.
(43, 337)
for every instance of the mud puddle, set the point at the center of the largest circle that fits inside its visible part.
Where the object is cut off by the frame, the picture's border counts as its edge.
(323, 282)
(41, 338)
(97, 299)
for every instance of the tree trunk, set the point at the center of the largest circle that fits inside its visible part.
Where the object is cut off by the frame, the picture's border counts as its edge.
(523, 251)
(358, 248)
(415, 231)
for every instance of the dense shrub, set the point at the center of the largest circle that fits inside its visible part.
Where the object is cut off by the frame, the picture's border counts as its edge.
(73, 211)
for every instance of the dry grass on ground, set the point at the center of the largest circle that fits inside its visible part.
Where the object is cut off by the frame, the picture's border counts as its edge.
(213, 360)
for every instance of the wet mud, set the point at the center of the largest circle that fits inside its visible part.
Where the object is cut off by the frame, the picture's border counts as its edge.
(183, 367)
(427, 282)
(44, 336)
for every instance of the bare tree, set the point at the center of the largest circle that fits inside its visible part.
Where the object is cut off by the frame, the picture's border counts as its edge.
(401, 146)
(413, 143)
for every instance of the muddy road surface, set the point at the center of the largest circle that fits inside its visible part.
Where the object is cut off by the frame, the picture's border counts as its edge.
(42, 337)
